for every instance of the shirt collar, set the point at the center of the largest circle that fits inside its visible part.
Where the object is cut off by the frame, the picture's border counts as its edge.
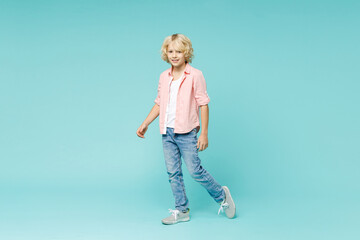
(186, 70)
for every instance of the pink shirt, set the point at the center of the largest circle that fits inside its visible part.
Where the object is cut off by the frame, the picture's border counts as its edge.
(192, 94)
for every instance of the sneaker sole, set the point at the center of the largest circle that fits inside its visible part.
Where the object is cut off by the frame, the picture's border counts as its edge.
(231, 203)
(178, 221)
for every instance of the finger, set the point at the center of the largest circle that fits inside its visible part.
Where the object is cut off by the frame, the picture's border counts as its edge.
(140, 134)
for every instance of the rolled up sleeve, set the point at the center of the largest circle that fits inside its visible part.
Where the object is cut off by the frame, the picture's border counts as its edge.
(201, 95)
(157, 100)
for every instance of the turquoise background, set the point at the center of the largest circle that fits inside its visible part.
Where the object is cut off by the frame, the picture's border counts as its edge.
(79, 77)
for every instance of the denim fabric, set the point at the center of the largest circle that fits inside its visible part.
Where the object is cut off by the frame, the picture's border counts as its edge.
(184, 145)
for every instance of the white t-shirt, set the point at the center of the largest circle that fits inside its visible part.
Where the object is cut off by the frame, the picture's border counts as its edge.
(171, 106)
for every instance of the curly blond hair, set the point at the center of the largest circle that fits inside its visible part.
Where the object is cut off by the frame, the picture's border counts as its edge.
(182, 43)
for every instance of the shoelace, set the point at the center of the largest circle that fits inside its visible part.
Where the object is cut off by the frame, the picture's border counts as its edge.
(223, 206)
(175, 213)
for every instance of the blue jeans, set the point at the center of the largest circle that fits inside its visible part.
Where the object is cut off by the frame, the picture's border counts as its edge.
(175, 146)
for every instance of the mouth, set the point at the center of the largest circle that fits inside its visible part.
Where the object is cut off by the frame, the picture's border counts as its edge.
(175, 61)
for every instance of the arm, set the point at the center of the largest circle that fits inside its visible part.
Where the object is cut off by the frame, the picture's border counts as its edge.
(202, 143)
(202, 100)
(154, 113)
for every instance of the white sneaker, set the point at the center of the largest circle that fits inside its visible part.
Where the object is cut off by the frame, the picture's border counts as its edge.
(176, 216)
(228, 204)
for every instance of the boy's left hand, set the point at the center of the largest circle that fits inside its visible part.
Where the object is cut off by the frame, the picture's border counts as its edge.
(202, 142)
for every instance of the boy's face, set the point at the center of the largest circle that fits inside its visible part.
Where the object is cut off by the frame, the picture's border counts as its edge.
(175, 56)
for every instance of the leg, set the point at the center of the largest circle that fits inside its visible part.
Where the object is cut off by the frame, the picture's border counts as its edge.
(173, 166)
(187, 144)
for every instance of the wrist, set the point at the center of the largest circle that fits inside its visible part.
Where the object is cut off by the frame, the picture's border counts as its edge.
(204, 132)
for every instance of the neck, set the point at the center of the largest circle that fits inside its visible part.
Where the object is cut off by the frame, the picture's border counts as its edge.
(179, 69)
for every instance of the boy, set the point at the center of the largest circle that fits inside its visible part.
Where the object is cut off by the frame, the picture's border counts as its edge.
(181, 92)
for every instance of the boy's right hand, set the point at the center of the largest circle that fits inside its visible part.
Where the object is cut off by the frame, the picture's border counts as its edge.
(142, 130)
